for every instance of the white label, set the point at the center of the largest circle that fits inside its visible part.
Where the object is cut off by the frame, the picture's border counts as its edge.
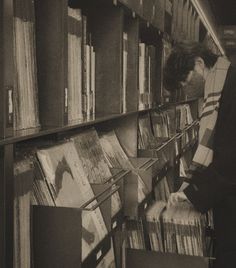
(153, 11)
(10, 102)
(99, 254)
(145, 206)
(66, 97)
(114, 225)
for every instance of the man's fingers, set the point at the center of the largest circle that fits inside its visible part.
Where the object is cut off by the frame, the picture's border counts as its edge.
(175, 198)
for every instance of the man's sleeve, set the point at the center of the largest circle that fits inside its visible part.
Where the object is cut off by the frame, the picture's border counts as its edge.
(218, 180)
(207, 189)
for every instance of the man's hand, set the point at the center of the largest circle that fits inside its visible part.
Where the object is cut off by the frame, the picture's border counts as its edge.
(177, 197)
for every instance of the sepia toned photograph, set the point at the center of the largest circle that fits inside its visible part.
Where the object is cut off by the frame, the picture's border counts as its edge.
(117, 134)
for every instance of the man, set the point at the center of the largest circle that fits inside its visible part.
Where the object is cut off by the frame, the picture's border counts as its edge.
(213, 170)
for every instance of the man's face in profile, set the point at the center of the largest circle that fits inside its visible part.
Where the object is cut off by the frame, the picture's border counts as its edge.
(194, 85)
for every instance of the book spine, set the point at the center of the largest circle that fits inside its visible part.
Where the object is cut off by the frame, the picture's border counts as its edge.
(52, 60)
(84, 63)
(93, 81)
(141, 75)
(125, 62)
(9, 106)
(7, 64)
(65, 43)
(88, 79)
(74, 64)
(149, 77)
(146, 69)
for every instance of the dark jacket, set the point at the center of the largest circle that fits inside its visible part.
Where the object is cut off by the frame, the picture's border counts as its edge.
(218, 181)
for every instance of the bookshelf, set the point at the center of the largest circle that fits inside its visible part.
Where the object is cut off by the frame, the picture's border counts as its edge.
(115, 107)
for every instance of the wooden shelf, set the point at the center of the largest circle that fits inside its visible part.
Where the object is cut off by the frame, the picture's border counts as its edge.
(35, 133)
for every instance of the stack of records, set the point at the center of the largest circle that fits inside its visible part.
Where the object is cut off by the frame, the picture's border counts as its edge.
(117, 158)
(94, 163)
(114, 153)
(184, 230)
(163, 124)
(154, 230)
(25, 94)
(65, 184)
(146, 138)
(147, 75)
(74, 64)
(183, 116)
(88, 74)
(135, 234)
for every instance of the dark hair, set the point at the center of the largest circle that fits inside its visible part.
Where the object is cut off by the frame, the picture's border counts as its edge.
(182, 60)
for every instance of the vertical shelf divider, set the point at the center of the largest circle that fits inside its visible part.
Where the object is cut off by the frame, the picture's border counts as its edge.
(107, 32)
(6, 68)
(6, 206)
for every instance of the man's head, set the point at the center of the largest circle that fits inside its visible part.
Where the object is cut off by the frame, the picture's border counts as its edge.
(184, 59)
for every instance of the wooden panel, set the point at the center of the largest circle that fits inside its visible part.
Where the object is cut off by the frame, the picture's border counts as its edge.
(6, 68)
(56, 237)
(51, 48)
(6, 206)
(132, 28)
(107, 32)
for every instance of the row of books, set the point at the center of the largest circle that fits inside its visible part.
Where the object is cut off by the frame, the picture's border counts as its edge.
(157, 127)
(81, 67)
(152, 10)
(178, 229)
(136, 228)
(62, 175)
(56, 84)
(183, 116)
(23, 100)
(33, 74)
(135, 234)
(146, 138)
(176, 17)
(185, 21)
(184, 230)
(147, 75)
(163, 123)
(117, 158)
